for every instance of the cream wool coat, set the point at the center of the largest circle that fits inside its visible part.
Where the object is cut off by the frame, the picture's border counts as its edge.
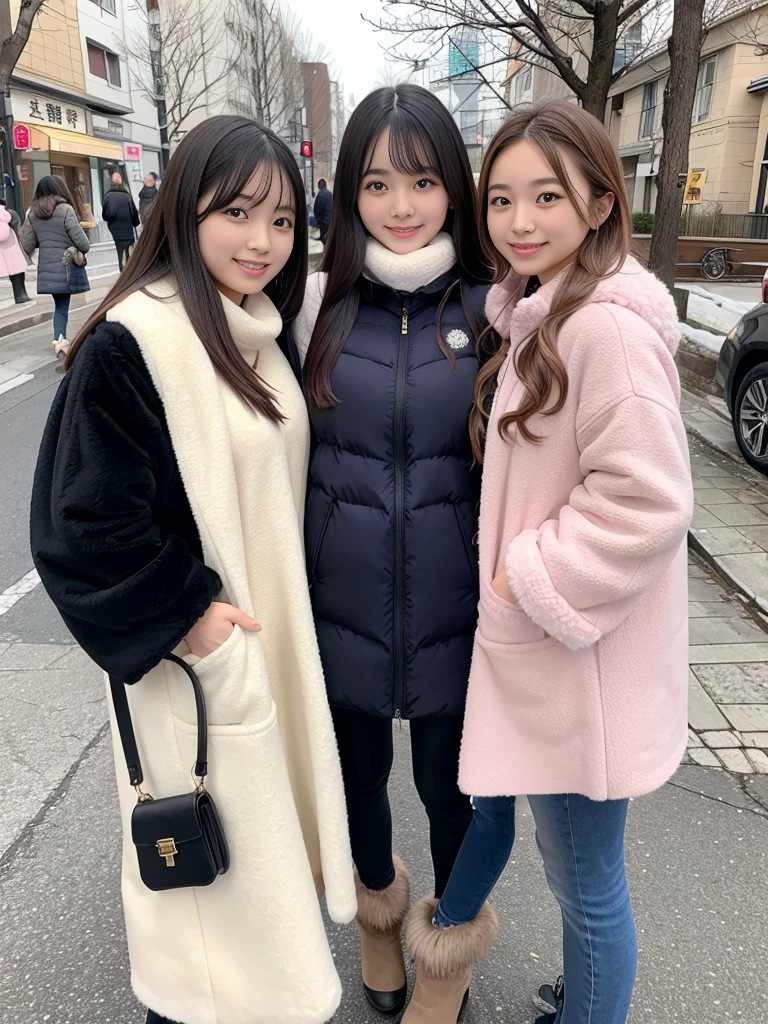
(251, 948)
(583, 687)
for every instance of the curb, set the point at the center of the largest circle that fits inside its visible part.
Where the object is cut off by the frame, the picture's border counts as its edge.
(43, 316)
(760, 603)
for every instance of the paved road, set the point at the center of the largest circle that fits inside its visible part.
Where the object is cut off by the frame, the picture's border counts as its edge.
(697, 850)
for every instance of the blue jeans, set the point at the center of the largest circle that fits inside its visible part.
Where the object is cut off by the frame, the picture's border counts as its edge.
(582, 844)
(60, 315)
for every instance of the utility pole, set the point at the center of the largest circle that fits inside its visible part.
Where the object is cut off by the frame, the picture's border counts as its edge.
(158, 78)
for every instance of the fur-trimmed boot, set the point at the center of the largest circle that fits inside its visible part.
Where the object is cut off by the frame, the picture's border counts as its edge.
(444, 961)
(380, 916)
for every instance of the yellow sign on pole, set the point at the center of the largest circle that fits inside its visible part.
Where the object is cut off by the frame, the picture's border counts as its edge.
(694, 187)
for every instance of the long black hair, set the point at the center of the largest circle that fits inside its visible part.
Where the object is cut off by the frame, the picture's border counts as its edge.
(220, 157)
(422, 134)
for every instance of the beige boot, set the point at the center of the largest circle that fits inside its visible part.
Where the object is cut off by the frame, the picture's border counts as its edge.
(444, 961)
(380, 916)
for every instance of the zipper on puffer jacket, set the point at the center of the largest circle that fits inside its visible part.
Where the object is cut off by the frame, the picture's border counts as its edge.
(401, 378)
(319, 545)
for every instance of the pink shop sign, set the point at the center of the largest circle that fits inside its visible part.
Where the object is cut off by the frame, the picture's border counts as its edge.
(132, 153)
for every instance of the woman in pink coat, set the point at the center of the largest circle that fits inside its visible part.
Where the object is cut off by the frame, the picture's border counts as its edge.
(13, 262)
(578, 687)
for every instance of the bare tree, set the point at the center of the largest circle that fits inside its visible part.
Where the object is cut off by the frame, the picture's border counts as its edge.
(12, 42)
(178, 56)
(574, 39)
(267, 82)
(684, 55)
(689, 28)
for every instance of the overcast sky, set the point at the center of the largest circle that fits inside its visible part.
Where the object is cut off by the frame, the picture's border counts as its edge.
(354, 47)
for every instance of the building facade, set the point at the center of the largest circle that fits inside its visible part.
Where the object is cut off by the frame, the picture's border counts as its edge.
(729, 129)
(78, 98)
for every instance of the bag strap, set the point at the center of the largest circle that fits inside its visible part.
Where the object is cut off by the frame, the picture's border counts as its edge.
(128, 737)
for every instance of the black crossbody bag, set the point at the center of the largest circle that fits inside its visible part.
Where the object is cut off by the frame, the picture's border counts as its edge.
(179, 839)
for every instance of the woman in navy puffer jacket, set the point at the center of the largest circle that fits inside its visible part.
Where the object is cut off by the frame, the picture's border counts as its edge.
(394, 319)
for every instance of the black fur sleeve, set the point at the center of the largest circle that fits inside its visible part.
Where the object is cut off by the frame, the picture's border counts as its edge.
(111, 530)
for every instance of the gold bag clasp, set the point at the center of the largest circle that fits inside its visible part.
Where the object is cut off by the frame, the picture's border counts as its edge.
(167, 848)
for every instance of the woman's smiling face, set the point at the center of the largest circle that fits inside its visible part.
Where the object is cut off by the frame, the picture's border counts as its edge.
(531, 219)
(245, 246)
(402, 211)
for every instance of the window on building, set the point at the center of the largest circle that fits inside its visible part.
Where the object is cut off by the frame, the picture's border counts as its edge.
(524, 81)
(705, 84)
(104, 64)
(106, 5)
(648, 115)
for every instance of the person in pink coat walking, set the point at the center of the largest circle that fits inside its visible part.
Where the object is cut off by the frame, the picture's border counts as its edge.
(13, 262)
(578, 687)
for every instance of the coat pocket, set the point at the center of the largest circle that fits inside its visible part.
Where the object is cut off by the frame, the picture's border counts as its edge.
(466, 537)
(315, 557)
(501, 622)
(234, 681)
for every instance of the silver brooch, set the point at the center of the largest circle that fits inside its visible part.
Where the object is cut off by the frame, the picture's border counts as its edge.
(457, 339)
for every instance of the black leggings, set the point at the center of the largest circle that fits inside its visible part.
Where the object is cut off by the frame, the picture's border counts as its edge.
(366, 751)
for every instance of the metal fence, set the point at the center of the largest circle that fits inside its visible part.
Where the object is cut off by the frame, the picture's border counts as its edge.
(715, 224)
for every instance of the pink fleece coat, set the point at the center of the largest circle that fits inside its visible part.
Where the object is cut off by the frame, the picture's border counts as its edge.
(12, 259)
(583, 687)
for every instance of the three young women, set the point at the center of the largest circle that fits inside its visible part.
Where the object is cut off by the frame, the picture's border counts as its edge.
(578, 689)
(388, 333)
(167, 516)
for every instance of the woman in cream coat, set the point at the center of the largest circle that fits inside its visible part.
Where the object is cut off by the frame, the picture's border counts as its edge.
(167, 515)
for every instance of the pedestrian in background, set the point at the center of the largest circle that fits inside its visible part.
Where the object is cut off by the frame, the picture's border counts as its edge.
(147, 196)
(121, 217)
(322, 208)
(13, 259)
(53, 225)
(167, 516)
(390, 371)
(579, 684)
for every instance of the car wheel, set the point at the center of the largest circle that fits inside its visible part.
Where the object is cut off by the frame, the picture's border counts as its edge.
(750, 417)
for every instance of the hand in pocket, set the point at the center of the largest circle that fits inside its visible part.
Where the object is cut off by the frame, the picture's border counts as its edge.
(215, 626)
(500, 587)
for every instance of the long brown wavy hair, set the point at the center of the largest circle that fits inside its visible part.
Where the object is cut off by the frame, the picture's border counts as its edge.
(556, 128)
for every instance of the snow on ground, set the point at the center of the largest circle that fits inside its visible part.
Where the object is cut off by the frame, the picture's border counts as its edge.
(717, 312)
(714, 342)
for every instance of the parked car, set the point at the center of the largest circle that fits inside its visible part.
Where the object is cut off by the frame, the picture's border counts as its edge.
(742, 373)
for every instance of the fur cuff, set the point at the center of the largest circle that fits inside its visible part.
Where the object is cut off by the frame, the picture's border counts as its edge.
(382, 911)
(446, 953)
(529, 581)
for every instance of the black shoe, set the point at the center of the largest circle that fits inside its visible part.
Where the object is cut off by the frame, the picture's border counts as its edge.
(387, 1003)
(549, 999)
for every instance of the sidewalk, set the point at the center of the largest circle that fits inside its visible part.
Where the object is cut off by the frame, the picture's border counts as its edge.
(730, 527)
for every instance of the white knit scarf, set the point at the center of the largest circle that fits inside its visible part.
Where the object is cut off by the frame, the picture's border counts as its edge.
(412, 271)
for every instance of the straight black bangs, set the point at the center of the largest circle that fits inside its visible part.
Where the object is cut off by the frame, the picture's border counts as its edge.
(232, 167)
(411, 150)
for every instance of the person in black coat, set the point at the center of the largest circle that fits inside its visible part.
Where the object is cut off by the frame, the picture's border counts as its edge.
(147, 196)
(121, 217)
(322, 208)
(389, 333)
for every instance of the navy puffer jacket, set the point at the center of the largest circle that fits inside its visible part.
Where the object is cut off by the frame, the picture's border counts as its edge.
(392, 507)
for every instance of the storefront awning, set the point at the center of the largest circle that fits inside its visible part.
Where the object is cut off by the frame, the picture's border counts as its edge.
(61, 141)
